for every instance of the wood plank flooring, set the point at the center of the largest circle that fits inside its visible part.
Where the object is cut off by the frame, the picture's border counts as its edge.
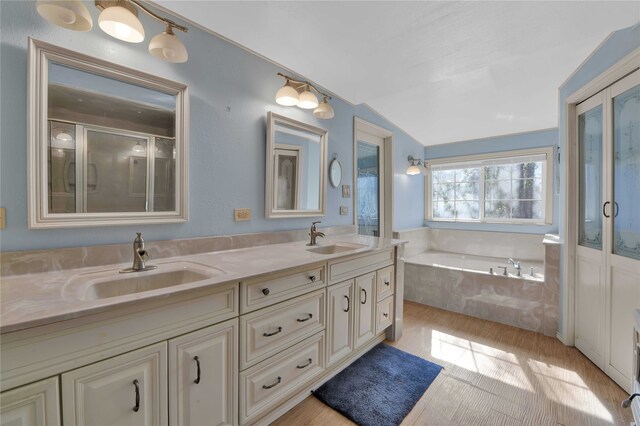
(493, 374)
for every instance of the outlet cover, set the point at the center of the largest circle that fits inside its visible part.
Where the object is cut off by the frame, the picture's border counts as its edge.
(3, 218)
(344, 210)
(242, 215)
(346, 191)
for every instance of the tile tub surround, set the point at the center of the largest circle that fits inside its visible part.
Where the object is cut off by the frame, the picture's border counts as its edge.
(528, 304)
(31, 300)
(36, 261)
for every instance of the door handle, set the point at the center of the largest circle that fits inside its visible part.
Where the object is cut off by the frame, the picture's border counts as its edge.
(197, 360)
(604, 209)
(272, 334)
(306, 319)
(365, 296)
(137, 385)
(348, 304)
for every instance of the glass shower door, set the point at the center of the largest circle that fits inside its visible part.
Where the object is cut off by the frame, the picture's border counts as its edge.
(368, 189)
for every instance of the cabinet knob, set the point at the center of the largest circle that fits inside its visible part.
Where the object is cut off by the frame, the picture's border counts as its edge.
(312, 278)
(386, 282)
(386, 315)
(265, 291)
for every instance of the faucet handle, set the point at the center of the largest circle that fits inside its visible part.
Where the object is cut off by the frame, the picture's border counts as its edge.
(314, 223)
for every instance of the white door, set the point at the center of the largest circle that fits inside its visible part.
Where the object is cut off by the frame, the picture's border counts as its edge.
(129, 389)
(608, 251)
(37, 404)
(590, 266)
(365, 309)
(340, 321)
(623, 243)
(203, 376)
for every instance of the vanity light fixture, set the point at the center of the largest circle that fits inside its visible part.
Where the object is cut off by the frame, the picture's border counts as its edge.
(138, 148)
(301, 93)
(119, 19)
(414, 165)
(63, 136)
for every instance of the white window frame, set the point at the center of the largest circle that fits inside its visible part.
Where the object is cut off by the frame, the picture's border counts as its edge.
(547, 185)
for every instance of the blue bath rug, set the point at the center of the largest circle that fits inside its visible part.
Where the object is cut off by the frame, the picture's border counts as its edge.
(380, 388)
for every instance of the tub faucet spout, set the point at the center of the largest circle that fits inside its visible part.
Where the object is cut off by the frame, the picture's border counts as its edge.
(516, 265)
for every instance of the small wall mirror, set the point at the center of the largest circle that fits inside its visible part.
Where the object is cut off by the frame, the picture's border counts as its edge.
(295, 168)
(107, 144)
(335, 173)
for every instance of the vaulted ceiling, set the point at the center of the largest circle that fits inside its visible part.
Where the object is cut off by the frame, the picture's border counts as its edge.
(443, 71)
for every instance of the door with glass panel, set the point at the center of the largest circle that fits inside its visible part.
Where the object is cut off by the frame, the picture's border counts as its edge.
(608, 252)
(369, 184)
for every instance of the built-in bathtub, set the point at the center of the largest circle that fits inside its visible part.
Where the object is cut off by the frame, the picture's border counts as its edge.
(473, 284)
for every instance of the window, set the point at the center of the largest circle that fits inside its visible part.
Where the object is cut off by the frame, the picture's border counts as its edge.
(513, 187)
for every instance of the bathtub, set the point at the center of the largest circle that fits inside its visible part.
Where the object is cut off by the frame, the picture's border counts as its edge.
(463, 283)
(530, 270)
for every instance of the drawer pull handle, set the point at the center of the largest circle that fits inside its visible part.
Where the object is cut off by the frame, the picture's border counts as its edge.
(306, 319)
(270, 386)
(386, 282)
(309, 362)
(272, 334)
(312, 278)
(365, 296)
(386, 315)
(137, 385)
(197, 360)
(265, 291)
(348, 304)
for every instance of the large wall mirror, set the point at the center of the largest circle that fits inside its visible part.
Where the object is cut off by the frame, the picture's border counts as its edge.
(107, 144)
(295, 168)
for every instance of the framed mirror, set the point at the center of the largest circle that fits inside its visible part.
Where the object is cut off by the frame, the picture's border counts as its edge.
(295, 168)
(335, 173)
(107, 144)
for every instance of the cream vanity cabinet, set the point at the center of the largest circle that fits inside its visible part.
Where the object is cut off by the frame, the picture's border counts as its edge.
(340, 315)
(134, 365)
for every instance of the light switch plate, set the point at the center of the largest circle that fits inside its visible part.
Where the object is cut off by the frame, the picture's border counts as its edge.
(3, 218)
(242, 215)
(346, 191)
(344, 210)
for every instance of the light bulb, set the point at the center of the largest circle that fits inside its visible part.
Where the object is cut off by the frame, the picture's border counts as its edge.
(63, 136)
(168, 47)
(69, 14)
(324, 110)
(413, 170)
(138, 148)
(122, 24)
(287, 95)
(307, 100)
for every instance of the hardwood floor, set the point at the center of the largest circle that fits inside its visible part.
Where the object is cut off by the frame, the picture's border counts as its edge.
(493, 374)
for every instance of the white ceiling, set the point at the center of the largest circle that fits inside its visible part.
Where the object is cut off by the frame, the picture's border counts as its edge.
(442, 71)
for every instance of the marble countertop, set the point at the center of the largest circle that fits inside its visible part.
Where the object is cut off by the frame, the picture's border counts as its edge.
(37, 299)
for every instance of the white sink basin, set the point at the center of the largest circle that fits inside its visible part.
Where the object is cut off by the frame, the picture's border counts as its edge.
(336, 248)
(111, 283)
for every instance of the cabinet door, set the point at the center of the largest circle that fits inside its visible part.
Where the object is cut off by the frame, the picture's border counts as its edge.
(340, 326)
(365, 311)
(129, 389)
(203, 376)
(37, 404)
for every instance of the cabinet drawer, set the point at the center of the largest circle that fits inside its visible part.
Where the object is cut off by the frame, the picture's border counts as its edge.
(384, 314)
(268, 383)
(385, 282)
(347, 269)
(265, 332)
(258, 294)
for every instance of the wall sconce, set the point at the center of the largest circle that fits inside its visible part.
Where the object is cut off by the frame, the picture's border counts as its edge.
(300, 93)
(414, 164)
(119, 19)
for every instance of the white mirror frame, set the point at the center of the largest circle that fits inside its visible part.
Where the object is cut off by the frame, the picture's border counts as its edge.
(270, 211)
(40, 54)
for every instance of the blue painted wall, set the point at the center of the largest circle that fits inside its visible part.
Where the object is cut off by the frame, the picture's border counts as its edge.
(536, 139)
(618, 45)
(231, 91)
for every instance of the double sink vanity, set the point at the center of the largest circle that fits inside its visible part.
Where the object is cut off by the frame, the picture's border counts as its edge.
(227, 337)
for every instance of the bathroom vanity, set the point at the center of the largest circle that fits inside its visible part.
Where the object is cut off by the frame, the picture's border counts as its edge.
(244, 337)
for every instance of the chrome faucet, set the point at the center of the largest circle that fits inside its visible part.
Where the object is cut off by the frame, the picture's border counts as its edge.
(313, 233)
(140, 256)
(516, 265)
